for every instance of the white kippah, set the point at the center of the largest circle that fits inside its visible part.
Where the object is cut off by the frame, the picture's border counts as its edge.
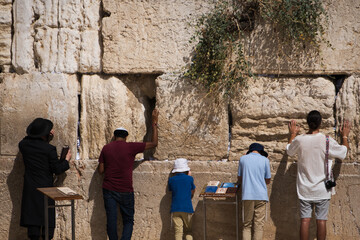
(121, 129)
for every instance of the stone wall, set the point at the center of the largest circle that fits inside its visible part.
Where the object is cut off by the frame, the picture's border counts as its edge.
(92, 66)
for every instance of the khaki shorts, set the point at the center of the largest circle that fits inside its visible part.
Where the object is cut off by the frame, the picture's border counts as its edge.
(321, 208)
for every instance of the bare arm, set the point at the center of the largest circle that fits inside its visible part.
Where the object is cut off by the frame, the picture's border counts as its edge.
(101, 168)
(345, 131)
(267, 180)
(192, 193)
(154, 140)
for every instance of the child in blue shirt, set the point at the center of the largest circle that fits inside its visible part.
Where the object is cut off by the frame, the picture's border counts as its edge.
(182, 187)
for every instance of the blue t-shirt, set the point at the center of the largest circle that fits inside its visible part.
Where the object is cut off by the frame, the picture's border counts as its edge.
(181, 186)
(254, 168)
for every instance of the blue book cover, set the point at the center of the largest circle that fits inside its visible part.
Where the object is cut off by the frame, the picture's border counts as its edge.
(211, 189)
(228, 184)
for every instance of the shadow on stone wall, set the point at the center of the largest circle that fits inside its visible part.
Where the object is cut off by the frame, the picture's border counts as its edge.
(220, 219)
(98, 216)
(284, 206)
(167, 231)
(15, 183)
(284, 203)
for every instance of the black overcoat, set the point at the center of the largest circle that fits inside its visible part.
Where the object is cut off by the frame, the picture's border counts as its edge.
(41, 163)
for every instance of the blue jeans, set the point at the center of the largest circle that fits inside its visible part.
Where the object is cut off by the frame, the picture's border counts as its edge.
(126, 202)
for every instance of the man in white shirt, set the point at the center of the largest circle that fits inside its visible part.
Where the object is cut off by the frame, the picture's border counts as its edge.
(311, 174)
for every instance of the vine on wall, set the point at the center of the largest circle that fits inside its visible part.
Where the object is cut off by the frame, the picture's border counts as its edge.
(219, 62)
(298, 21)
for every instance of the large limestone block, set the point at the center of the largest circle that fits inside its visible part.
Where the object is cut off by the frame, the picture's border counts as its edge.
(46, 48)
(270, 55)
(153, 201)
(191, 124)
(11, 182)
(90, 212)
(5, 34)
(90, 52)
(148, 36)
(22, 45)
(344, 209)
(56, 36)
(5, 45)
(69, 52)
(5, 13)
(26, 97)
(348, 108)
(78, 14)
(262, 112)
(112, 102)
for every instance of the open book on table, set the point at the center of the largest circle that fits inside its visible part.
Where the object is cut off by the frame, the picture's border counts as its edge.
(66, 191)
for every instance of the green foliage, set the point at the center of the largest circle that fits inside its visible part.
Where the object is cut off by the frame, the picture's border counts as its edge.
(219, 62)
(298, 21)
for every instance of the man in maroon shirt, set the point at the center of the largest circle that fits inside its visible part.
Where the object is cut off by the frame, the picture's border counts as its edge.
(117, 161)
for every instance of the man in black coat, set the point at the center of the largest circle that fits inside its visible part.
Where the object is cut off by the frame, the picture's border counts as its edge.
(41, 163)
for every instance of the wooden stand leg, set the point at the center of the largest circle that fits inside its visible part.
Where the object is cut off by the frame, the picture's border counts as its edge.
(73, 219)
(204, 207)
(46, 208)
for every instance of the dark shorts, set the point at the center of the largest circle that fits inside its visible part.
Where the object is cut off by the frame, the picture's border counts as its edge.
(321, 208)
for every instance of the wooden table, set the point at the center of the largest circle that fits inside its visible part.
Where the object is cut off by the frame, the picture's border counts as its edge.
(56, 195)
(220, 198)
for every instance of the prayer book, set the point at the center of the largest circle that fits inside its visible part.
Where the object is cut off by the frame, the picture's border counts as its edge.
(221, 190)
(213, 183)
(211, 189)
(66, 191)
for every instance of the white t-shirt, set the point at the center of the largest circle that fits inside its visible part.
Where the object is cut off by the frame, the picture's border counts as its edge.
(311, 174)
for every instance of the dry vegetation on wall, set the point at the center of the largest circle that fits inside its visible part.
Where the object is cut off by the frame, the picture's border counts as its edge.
(219, 62)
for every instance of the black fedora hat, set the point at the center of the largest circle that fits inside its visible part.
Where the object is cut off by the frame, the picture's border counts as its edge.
(257, 147)
(39, 127)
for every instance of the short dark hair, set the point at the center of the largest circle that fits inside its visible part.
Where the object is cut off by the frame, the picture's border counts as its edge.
(121, 133)
(314, 119)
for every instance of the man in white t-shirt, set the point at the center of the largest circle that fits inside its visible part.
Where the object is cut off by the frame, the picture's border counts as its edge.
(311, 174)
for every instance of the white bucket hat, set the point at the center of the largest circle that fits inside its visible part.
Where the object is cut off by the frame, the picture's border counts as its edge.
(181, 165)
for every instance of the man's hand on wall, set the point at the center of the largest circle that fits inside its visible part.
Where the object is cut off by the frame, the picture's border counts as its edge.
(293, 130)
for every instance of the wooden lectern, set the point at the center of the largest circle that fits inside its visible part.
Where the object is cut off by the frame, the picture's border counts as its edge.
(55, 194)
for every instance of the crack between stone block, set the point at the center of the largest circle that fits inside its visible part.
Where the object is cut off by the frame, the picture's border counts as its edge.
(12, 36)
(338, 81)
(230, 125)
(78, 137)
(102, 14)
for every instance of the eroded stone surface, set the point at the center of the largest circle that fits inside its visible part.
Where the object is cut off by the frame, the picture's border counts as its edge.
(269, 55)
(152, 215)
(262, 112)
(5, 34)
(190, 124)
(148, 36)
(348, 108)
(112, 102)
(56, 36)
(26, 97)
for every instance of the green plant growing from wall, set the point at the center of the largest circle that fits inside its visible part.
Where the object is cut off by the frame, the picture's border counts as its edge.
(219, 62)
(298, 21)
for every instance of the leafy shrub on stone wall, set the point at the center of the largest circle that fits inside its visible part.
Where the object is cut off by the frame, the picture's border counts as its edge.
(219, 63)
